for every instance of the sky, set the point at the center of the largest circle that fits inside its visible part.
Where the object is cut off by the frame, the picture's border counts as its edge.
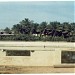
(12, 13)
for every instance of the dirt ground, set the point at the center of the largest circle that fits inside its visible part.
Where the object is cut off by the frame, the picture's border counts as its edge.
(35, 70)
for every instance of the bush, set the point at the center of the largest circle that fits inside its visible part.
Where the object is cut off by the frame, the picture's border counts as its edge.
(26, 37)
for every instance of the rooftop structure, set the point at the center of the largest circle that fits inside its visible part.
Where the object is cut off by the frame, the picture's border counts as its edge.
(4, 33)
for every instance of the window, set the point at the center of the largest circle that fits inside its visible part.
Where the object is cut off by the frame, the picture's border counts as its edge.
(68, 57)
(17, 53)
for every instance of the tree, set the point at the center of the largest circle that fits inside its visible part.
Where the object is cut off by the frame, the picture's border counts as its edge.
(42, 26)
(26, 26)
(34, 28)
(7, 30)
(17, 28)
(55, 24)
(54, 31)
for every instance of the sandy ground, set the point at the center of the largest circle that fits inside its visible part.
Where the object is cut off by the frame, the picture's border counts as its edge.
(35, 70)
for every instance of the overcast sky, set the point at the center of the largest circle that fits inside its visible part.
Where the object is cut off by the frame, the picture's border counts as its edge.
(13, 12)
